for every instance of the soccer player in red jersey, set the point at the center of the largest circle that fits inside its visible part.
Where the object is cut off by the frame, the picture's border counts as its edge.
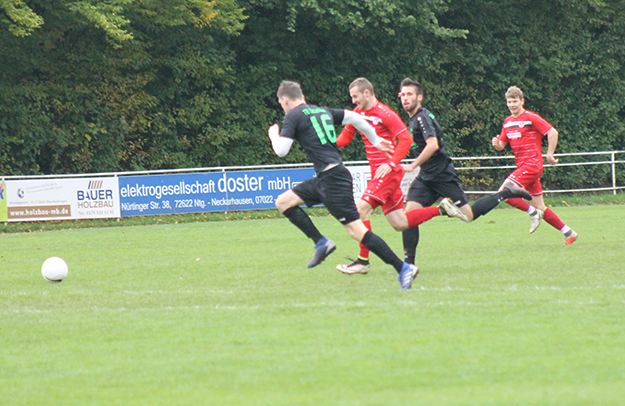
(523, 130)
(384, 189)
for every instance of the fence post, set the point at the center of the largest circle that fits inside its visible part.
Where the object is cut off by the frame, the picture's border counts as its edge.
(119, 197)
(613, 175)
(6, 222)
(223, 170)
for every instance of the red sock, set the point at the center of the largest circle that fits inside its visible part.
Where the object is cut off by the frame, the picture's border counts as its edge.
(418, 216)
(364, 251)
(551, 218)
(518, 203)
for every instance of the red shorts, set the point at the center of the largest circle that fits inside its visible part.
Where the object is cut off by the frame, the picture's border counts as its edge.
(528, 177)
(385, 192)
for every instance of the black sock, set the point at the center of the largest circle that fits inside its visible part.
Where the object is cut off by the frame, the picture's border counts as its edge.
(380, 248)
(485, 204)
(300, 219)
(410, 238)
(506, 193)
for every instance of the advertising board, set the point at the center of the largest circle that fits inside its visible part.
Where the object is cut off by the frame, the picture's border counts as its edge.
(107, 197)
(62, 199)
(3, 202)
(362, 175)
(206, 192)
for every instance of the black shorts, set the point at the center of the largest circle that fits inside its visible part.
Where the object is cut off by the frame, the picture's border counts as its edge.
(334, 189)
(427, 192)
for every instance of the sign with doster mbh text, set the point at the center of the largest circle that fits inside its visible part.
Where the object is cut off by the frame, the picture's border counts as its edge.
(206, 192)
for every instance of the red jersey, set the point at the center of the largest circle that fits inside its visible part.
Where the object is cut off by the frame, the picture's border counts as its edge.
(524, 133)
(388, 125)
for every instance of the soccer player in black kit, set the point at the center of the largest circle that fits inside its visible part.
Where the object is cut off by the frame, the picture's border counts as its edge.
(313, 128)
(437, 177)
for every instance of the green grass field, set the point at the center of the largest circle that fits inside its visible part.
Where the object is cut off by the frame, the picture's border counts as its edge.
(226, 313)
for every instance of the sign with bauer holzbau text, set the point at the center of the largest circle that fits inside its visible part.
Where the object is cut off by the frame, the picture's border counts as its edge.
(62, 199)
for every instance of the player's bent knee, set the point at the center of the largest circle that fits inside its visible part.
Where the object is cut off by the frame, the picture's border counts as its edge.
(412, 206)
(356, 230)
(400, 226)
(287, 200)
(281, 204)
(468, 212)
(364, 210)
(507, 183)
(397, 219)
(355, 235)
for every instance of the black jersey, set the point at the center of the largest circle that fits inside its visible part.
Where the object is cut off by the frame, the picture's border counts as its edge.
(313, 128)
(422, 126)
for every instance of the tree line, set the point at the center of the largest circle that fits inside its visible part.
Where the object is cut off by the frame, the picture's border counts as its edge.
(119, 85)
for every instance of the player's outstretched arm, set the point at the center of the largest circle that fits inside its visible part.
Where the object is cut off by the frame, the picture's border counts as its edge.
(346, 136)
(281, 145)
(552, 142)
(364, 127)
(404, 143)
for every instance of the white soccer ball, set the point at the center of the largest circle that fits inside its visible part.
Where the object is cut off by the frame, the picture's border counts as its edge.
(54, 269)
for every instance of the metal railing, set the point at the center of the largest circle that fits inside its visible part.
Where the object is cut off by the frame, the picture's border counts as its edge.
(611, 160)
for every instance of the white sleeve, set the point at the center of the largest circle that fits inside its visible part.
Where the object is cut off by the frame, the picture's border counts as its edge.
(281, 145)
(361, 125)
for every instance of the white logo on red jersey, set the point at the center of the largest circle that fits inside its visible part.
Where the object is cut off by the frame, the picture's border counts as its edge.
(373, 120)
(517, 124)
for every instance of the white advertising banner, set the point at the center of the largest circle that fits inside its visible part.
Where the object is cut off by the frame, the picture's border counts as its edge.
(62, 199)
(362, 176)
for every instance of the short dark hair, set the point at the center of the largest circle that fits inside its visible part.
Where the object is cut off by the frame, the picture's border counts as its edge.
(362, 84)
(289, 89)
(413, 83)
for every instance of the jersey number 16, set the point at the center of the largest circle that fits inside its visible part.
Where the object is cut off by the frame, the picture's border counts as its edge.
(327, 132)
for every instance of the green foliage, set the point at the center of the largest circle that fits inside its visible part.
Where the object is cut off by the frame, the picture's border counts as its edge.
(325, 45)
(107, 16)
(19, 19)
(564, 55)
(97, 90)
(153, 84)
